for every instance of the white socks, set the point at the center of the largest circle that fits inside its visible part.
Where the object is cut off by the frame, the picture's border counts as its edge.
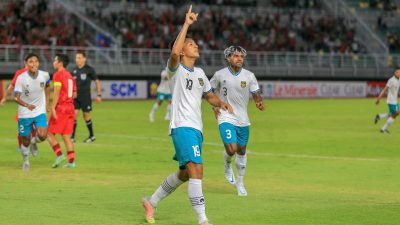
(227, 160)
(241, 162)
(383, 115)
(166, 188)
(195, 192)
(35, 140)
(155, 107)
(196, 197)
(389, 121)
(25, 152)
(168, 113)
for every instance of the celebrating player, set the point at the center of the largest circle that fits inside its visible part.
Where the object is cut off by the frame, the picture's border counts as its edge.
(190, 84)
(392, 88)
(32, 95)
(84, 75)
(233, 84)
(163, 93)
(62, 111)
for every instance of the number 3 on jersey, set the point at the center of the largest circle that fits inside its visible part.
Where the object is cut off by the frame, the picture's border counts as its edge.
(224, 91)
(228, 134)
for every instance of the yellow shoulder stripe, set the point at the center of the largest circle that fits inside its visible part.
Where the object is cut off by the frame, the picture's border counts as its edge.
(57, 84)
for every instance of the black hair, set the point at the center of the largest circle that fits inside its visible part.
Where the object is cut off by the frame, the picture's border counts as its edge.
(30, 55)
(82, 53)
(63, 58)
(171, 45)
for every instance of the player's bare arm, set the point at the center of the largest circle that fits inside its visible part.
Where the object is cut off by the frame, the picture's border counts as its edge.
(9, 89)
(56, 96)
(381, 95)
(98, 88)
(215, 101)
(259, 101)
(190, 18)
(17, 98)
(47, 94)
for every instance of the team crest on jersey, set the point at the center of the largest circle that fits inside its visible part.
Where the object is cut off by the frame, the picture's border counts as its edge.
(42, 84)
(201, 81)
(243, 84)
(83, 76)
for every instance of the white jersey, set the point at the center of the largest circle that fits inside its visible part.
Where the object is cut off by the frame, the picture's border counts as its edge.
(234, 89)
(32, 92)
(164, 86)
(393, 85)
(188, 88)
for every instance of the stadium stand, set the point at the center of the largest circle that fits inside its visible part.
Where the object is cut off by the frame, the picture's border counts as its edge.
(307, 38)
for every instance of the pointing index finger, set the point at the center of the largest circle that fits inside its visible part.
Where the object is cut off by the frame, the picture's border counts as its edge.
(190, 9)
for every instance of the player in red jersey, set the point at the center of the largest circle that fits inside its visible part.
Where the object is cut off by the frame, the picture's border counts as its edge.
(10, 89)
(62, 111)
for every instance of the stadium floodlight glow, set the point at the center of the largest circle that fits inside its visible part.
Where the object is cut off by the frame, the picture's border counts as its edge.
(234, 49)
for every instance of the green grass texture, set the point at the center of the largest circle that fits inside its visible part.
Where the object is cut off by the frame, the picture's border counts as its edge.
(310, 162)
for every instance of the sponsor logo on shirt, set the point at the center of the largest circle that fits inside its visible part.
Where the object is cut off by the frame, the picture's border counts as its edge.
(83, 76)
(243, 84)
(42, 84)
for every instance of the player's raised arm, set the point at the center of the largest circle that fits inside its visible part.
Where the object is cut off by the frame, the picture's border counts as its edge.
(173, 61)
(9, 89)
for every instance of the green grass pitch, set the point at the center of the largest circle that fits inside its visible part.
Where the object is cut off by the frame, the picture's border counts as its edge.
(310, 162)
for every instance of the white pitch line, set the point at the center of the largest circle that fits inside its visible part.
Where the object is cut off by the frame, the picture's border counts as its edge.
(252, 152)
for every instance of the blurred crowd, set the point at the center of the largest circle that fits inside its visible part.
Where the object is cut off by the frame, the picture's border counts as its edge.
(281, 30)
(386, 5)
(32, 23)
(287, 29)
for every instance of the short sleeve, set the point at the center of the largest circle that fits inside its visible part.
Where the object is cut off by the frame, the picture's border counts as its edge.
(164, 75)
(389, 83)
(14, 80)
(93, 74)
(47, 77)
(57, 80)
(74, 89)
(207, 85)
(254, 87)
(18, 85)
(171, 71)
(214, 82)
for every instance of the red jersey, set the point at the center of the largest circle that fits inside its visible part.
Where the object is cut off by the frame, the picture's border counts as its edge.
(67, 83)
(16, 75)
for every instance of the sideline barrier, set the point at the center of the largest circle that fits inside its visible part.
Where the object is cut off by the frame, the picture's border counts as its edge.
(313, 89)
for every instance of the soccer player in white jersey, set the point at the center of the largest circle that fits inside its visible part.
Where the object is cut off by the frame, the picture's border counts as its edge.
(163, 93)
(190, 84)
(233, 84)
(32, 91)
(392, 89)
